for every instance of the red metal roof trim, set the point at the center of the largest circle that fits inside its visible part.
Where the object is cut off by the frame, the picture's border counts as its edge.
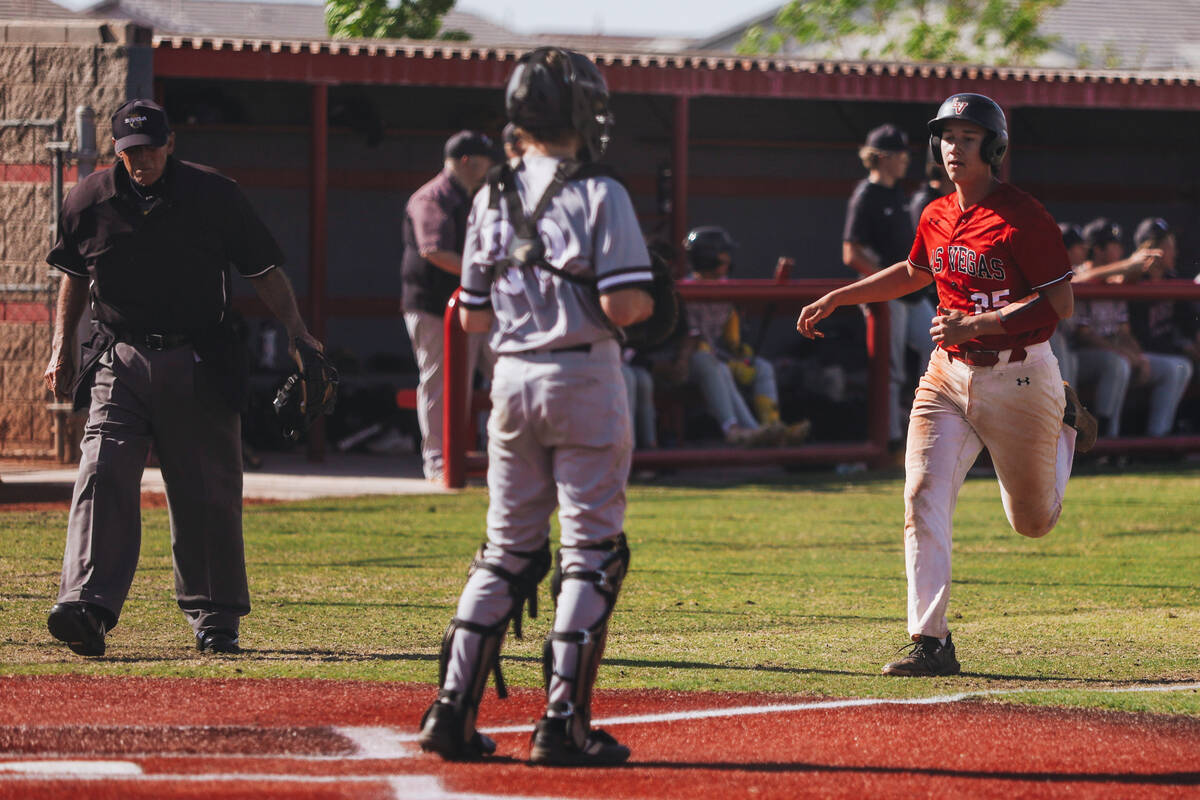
(686, 74)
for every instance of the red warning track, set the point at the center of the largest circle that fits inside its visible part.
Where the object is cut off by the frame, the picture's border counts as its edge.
(184, 738)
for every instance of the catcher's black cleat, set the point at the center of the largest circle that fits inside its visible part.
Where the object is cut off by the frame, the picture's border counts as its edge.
(553, 746)
(927, 657)
(217, 640)
(1080, 419)
(442, 732)
(81, 625)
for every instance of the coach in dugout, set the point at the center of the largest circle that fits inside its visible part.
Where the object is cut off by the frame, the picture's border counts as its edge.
(435, 226)
(150, 243)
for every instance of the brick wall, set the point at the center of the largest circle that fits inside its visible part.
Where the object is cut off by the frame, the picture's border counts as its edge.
(46, 71)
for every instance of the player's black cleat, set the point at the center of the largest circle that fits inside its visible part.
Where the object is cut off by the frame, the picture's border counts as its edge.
(552, 745)
(217, 640)
(81, 625)
(927, 657)
(1080, 419)
(442, 732)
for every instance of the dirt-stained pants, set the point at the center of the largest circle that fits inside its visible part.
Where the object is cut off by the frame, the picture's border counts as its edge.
(1015, 411)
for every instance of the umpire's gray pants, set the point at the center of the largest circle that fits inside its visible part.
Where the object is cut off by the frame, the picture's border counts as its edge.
(165, 397)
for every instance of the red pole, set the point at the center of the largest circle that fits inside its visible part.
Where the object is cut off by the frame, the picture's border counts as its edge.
(679, 177)
(878, 369)
(318, 184)
(454, 399)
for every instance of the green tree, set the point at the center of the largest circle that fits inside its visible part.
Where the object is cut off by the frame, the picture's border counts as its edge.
(996, 31)
(379, 19)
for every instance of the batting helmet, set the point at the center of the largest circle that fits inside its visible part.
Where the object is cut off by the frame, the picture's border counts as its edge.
(552, 90)
(704, 246)
(984, 112)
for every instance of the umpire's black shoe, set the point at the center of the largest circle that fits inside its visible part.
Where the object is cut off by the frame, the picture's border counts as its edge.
(1079, 418)
(553, 746)
(443, 731)
(81, 625)
(926, 657)
(217, 640)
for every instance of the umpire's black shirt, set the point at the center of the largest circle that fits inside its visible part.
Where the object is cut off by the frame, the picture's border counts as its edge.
(161, 265)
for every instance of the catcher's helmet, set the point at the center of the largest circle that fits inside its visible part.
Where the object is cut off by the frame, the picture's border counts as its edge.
(976, 108)
(553, 89)
(704, 246)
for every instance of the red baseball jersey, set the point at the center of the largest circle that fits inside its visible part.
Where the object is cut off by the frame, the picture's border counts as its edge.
(997, 251)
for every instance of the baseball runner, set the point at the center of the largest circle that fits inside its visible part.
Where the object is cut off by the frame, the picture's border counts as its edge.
(555, 258)
(1003, 283)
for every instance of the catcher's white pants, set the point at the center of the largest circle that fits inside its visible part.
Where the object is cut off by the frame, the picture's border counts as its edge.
(1015, 411)
(559, 435)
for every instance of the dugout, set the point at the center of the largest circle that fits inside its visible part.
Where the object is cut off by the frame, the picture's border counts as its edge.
(766, 148)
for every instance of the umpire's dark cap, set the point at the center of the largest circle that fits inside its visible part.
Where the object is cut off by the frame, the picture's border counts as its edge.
(1151, 230)
(469, 143)
(888, 138)
(140, 122)
(1100, 231)
(1071, 234)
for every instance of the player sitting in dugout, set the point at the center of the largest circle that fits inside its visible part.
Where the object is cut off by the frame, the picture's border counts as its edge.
(724, 366)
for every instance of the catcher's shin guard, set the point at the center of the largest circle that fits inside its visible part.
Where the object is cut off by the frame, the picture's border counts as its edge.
(602, 568)
(471, 649)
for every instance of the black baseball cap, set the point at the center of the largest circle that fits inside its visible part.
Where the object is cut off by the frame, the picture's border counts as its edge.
(1071, 234)
(1101, 230)
(140, 122)
(1151, 230)
(888, 138)
(469, 143)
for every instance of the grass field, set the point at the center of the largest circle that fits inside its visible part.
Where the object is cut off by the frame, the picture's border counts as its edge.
(794, 584)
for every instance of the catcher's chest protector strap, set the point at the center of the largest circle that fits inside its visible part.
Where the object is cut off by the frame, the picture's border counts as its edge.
(589, 642)
(530, 251)
(522, 586)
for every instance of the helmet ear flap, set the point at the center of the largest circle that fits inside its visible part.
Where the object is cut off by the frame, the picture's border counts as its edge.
(995, 147)
(935, 149)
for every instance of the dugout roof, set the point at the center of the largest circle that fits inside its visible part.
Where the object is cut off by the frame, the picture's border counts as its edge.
(401, 63)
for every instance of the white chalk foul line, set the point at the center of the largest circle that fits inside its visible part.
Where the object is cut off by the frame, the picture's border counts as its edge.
(378, 742)
(818, 705)
(75, 769)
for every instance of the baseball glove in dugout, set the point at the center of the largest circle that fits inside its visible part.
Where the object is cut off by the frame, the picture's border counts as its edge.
(308, 393)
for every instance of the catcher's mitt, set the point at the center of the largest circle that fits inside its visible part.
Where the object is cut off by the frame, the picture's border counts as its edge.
(655, 330)
(308, 393)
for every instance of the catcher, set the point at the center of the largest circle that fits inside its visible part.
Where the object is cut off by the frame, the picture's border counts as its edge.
(164, 367)
(559, 432)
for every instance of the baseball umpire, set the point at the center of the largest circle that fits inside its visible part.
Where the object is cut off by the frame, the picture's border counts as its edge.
(150, 243)
(1003, 283)
(553, 254)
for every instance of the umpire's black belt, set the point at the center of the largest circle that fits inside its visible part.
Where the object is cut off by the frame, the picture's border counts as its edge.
(153, 341)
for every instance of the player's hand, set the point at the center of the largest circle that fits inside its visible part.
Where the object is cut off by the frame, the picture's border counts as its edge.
(1147, 259)
(951, 328)
(811, 314)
